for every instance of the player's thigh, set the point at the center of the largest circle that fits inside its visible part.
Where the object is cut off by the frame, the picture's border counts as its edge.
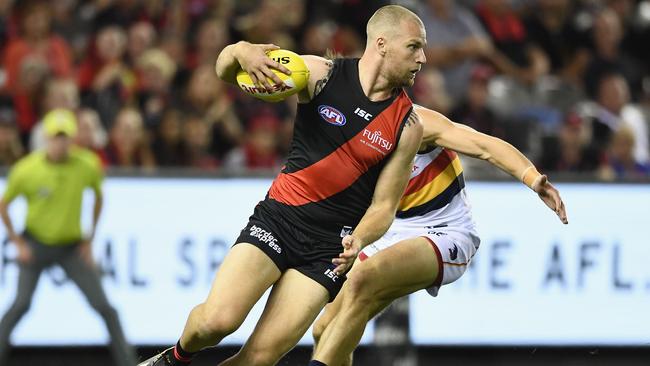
(398, 270)
(243, 277)
(294, 303)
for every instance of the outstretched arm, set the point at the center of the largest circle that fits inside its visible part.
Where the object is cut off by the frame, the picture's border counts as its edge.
(440, 131)
(388, 191)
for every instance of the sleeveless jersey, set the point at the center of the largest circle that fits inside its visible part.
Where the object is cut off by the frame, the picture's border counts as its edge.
(340, 144)
(436, 188)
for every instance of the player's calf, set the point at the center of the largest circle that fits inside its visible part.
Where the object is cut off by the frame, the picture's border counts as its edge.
(253, 357)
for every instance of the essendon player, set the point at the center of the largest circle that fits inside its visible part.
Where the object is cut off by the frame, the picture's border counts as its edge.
(354, 142)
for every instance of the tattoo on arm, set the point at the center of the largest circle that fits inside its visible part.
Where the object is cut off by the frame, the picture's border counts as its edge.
(320, 84)
(412, 120)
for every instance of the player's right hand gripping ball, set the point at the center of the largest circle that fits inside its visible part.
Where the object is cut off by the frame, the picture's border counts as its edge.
(292, 83)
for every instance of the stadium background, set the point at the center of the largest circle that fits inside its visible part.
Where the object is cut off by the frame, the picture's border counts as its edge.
(187, 157)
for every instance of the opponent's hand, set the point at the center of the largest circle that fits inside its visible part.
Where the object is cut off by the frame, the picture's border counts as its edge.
(351, 248)
(254, 60)
(550, 196)
(25, 254)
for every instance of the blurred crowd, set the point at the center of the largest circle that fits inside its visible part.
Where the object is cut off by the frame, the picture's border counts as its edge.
(566, 81)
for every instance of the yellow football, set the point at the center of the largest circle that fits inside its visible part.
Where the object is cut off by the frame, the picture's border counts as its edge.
(292, 83)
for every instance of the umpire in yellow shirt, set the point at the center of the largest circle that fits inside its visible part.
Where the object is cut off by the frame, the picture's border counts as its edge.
(53, 181)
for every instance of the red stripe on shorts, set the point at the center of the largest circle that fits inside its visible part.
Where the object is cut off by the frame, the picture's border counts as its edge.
(438, 281)
(362, 256)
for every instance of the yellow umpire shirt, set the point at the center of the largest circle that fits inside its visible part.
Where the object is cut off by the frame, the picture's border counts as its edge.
(54, 193)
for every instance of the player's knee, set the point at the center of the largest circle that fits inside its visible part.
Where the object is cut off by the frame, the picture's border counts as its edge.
(360, 285)
(219, 322)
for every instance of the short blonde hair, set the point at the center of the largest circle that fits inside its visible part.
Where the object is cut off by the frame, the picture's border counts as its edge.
(388, 19)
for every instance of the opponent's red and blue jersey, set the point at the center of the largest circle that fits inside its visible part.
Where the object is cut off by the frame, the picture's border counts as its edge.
(341, 143)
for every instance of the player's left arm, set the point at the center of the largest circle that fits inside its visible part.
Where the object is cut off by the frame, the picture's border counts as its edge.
(388, 191)
(439, 130)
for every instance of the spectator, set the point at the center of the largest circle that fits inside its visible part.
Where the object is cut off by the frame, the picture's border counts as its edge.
(211, 37)
(620, 162)
(30, 58)
(325, 37)
(36, 43)
(613, 111)
(208, 97)
(608, 56)
(474, 110)
(156, 71)
(72, 20)
(272, 22)
(120, 13)
(5, 15)
(90, 133)
(168, 145)
(128, 145)
(429, 90)
(317, 39)
(260, 149)
(636, 26)
(106, 81)
(550, 26)
(142, 36)
(59, 93)
(572, 149)
(175, 47)
(459, 42)
(10, 147)
(515, 55)
(158, 56)
(197, 140)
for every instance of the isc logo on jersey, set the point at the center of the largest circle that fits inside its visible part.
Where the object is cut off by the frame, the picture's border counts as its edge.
(292, 83)
(331, 115)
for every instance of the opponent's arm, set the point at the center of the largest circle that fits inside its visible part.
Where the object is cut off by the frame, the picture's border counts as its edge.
(440, 131)
(388, 191)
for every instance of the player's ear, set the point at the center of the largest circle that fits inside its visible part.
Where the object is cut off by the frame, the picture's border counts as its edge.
(381, 46)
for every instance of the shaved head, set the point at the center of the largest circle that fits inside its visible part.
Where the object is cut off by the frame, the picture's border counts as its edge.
(395, 46)
(389, 20)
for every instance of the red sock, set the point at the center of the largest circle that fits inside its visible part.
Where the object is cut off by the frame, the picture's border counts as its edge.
(182, 355)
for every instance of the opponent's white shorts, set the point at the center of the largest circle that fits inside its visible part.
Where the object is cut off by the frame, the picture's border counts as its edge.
(453, 245)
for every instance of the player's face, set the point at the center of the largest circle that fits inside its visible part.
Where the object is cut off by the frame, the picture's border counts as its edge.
(405, 54)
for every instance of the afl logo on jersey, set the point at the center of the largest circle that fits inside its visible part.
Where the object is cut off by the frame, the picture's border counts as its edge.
(331, 115)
